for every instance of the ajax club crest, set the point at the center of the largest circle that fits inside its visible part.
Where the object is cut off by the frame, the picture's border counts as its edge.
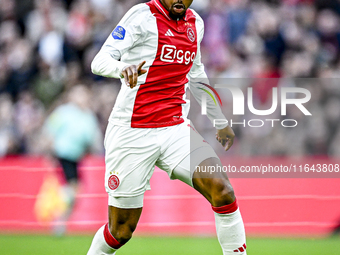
(113, 182)
(191, 34)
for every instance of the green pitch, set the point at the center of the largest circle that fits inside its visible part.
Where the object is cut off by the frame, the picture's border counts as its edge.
(78, 245)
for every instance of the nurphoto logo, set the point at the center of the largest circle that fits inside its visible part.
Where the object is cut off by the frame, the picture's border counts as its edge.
(239, 103)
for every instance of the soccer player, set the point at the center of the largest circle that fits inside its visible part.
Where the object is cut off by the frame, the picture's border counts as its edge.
(155, 50)
(72, 129)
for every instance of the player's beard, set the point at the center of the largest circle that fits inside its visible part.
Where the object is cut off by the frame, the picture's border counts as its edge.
(174, 15)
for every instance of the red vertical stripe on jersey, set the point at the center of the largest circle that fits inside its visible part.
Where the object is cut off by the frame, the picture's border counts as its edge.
(159, 100)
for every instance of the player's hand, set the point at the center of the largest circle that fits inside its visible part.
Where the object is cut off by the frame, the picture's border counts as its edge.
(131, 74)
(226, 137)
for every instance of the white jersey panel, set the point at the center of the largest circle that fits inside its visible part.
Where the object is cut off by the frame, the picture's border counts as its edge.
(134, 40)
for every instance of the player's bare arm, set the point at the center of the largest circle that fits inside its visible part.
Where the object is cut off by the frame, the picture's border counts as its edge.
(226, 137)
(132, 72)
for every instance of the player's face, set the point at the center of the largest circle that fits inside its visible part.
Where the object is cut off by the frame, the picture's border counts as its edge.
(176, 8)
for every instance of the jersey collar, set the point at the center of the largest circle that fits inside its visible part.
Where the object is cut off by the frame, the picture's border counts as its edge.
(164, 11)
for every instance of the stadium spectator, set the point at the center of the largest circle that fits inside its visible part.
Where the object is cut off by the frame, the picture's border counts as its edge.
(29, 118)
(42, 52)
(8, 137)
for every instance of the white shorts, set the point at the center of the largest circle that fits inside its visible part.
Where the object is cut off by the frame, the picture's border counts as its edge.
(132, 153)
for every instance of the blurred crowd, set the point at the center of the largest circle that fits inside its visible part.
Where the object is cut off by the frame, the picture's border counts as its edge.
(46, 47)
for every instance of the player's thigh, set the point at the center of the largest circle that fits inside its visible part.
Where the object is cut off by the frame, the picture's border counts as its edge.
(190, 159)
(183, 149)
(130, 156)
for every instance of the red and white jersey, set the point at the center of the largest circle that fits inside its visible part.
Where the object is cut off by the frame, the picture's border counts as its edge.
(171, 49)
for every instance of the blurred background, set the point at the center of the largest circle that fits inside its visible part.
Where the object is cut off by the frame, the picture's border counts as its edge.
(46, 47)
